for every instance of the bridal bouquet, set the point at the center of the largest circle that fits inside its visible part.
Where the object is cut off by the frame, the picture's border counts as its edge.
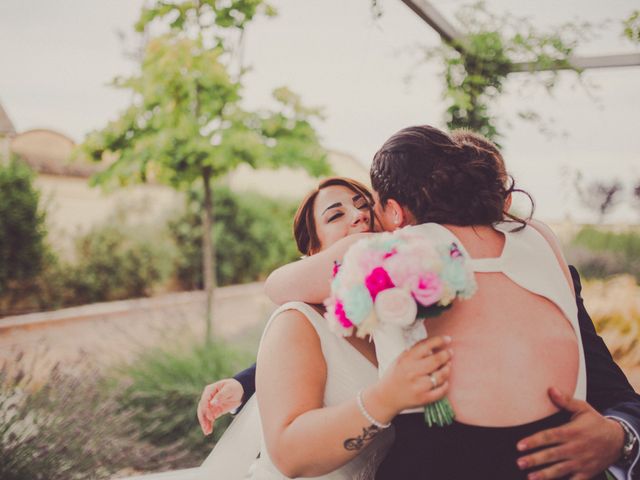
(387, 285)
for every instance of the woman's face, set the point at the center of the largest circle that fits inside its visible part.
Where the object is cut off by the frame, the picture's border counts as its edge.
(338, 212)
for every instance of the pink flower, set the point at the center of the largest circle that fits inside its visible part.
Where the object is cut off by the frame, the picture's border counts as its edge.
(377, 281)
(454, 251)
(341, 315)
(368, 259)
(396, 306)
(336, 268)
(426, 288)
(390, 254)
(401, 268)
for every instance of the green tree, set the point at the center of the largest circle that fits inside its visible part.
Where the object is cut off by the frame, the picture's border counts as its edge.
(252, 232)
(186, 122)
(22, 229)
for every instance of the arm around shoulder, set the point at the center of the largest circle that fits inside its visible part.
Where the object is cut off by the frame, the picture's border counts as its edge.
(308, 280)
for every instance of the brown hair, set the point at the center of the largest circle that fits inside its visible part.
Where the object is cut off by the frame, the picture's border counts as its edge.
(463, 136)
(459, 179)
(304, 225)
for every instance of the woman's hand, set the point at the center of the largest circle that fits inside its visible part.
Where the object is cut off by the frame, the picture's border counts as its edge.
(408, 381)
(217, 399)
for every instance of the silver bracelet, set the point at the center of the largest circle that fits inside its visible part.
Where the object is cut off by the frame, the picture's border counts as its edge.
(367, 415)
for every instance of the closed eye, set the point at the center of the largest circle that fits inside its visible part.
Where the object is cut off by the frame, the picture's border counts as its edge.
(335, 216)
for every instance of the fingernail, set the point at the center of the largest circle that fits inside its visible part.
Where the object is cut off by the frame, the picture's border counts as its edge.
(451, 352)
(533, 476)
(522, 446)
(447, 339)
(522, 463)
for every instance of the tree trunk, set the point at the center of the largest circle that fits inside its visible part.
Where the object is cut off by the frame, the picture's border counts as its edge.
(208, 251)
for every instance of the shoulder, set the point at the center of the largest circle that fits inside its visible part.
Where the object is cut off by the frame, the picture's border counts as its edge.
(288, 333)
(548, 234)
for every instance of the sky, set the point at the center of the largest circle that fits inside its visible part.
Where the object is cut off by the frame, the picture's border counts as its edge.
(58, 59)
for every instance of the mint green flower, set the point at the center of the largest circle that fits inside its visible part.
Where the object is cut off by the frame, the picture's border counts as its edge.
(358, 304)
(455, 274)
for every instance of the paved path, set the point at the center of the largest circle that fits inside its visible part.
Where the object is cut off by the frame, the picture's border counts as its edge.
(105, 333)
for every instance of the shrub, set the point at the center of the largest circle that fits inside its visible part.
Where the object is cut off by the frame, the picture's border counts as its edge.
(252, 235)
(164, 388)
(22, 229)
(594, 264)
(599, 254)
(112, 264)
(614, 305)
(112, 261)
(70, 429)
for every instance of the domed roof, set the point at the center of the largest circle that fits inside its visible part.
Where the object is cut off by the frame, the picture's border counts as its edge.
(48, 151)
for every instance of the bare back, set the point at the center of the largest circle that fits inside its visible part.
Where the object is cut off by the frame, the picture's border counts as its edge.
(510, 343)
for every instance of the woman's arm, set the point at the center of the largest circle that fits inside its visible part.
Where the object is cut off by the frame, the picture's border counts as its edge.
(303, 437)
(308, 280)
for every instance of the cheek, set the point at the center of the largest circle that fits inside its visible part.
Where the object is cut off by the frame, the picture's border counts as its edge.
(383, 220)
(328, 234)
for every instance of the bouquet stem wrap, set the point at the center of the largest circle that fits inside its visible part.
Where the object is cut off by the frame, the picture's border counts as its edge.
(391, 340)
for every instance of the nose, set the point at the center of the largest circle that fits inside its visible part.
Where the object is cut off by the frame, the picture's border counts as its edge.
(359, 216)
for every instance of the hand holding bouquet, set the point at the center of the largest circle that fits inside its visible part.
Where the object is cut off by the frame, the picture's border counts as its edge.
(387, 285)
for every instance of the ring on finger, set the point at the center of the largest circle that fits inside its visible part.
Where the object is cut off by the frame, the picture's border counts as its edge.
(434, 380)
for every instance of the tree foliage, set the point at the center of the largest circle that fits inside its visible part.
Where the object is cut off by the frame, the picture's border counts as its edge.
(253, 234)
(186, 116)
(22, 227)
(213, 18)
(476, 66)
(632, 27)
(186, 121)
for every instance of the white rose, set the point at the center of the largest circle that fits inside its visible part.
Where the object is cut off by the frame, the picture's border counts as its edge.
(396, 306)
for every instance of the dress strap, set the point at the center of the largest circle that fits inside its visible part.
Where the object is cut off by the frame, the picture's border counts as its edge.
(313, 317)
(486, 265)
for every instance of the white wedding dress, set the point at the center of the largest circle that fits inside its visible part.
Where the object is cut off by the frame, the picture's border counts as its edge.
(347, 372)
(235, 456)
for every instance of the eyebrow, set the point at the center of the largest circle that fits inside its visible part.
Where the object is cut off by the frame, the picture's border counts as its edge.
(335, 205)
(357, 196)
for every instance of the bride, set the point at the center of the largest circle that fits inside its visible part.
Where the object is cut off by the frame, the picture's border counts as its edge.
(311, 380)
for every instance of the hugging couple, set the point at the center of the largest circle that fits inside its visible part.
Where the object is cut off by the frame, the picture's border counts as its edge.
(534, 388)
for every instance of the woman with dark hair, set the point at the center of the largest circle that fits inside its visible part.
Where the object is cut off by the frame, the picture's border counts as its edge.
(513, 340)
(313, 387)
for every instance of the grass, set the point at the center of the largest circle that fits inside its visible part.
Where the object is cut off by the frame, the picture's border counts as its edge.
(601, 253)
(162, 390)
(69, 429)
(78, 422)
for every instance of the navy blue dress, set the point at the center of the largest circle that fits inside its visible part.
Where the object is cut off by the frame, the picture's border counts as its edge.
(459, 451)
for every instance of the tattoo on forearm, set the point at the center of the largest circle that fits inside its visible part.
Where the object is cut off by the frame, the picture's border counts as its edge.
(358, 442)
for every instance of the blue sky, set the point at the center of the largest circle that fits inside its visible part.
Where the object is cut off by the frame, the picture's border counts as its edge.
(58, 58)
